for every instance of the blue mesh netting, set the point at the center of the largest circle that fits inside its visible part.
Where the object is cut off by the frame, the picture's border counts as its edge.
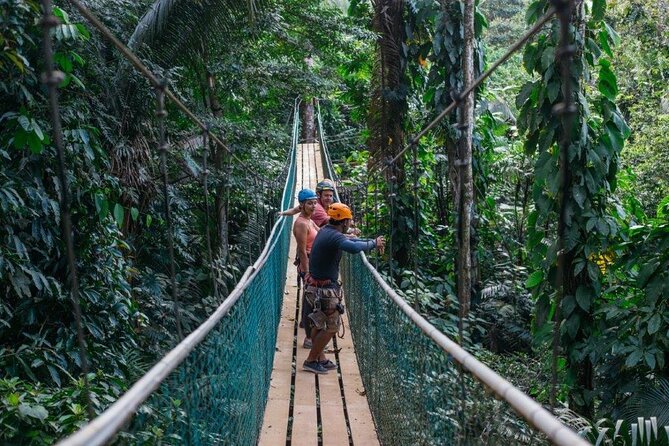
(415, 390)
(218, 394)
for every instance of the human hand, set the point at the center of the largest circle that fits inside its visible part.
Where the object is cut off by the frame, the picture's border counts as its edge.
(380, 244)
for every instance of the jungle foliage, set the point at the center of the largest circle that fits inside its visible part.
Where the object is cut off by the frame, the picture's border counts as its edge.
(612, 319)
(111, 139)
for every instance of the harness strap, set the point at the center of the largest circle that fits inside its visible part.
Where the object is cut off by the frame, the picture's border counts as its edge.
(317, 283)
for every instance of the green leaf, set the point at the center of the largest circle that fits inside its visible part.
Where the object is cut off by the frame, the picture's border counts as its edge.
(38, 412)
(13, 399)
(25, 122)
(633, 358)
(101, 205)
(584, 297)
(654, 324)
(34, 143)
(572, 324)
(650, 360)
(598, 9)
(149, 220)
(604, 43)
(534, 279)
(119, 213)
(613, 35)
(134, 213)
(553, 90)
(568, 305)
(607, 84)
(548, 57)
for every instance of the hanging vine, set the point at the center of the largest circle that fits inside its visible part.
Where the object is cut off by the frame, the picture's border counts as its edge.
(595, 141)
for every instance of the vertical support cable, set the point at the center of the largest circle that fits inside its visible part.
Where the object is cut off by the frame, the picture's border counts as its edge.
(205, 186)
(414, 155)
(161, 113)
(52, 78)
(566, 110)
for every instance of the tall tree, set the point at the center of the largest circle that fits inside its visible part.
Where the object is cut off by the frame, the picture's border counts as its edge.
(463, 161)
(567, 283)
(387, 114)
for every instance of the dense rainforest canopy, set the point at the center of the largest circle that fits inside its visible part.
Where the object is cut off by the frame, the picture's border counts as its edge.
(598, 344)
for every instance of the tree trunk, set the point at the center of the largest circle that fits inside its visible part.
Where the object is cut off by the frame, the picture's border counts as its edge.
(387, 113)
(221, 160)
(308, 122)
(464, 165)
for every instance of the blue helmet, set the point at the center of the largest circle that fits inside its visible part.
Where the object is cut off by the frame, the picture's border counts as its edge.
(306, 194)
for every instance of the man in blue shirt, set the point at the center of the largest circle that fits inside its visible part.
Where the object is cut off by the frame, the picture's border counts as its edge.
(323, 286)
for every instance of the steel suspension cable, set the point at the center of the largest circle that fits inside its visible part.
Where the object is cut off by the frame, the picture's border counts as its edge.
(457, 98)
(52, 79)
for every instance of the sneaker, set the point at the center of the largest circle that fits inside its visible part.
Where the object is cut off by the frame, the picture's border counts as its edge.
(314, 367)
(307, 343)
(328, 365)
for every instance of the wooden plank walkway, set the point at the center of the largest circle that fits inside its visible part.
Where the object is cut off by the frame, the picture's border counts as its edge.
(304, 409)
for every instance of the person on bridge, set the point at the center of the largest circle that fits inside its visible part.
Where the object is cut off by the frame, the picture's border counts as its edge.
(325, 193)
(323, 286)
(305, 230)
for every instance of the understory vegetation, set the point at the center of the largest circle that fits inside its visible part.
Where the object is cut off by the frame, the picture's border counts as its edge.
(241, 71)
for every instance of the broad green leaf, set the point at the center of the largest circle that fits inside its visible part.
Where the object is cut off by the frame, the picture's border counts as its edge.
(38, 412)
(119, 213)
(615, 38)
(568, 305)
(534, 279)
(101, 205)
(25, 122)
(134, 213)
(149, 220)
(584, 297)
(650, 360)
(607, 81)
(604, 43)
(654, 324)
(598, 9)
(634, 358)
(34, 143)
(13, 399)
(553, 90)
(548, 57)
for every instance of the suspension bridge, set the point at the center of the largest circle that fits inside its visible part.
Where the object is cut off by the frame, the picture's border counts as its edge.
(235, 378)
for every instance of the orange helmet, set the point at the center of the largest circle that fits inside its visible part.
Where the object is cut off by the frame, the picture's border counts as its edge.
(339, 211)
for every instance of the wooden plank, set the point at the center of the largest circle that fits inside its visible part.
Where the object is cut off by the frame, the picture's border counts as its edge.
(275, 421)
(363, 431)
(335, 432)
(305, 430)
(304, 427)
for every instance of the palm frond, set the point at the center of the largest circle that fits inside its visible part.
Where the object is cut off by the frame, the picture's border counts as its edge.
(174, 29)
(651, 401)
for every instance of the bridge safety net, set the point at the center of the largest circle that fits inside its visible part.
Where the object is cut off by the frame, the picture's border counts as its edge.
(422, 387)
(218, 394)
(212, 387)
(417, 392)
